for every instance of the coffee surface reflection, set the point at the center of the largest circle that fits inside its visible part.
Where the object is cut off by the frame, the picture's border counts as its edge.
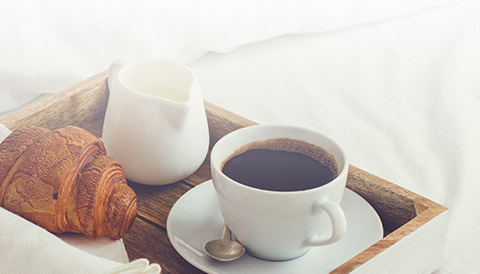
(281, 165)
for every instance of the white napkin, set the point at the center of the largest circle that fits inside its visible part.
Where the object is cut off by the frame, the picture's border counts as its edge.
(4, 132)
(28, 248)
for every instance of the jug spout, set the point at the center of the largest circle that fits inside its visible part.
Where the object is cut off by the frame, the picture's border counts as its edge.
(115, 68)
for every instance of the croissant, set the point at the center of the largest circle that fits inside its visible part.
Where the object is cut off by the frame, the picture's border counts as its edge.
(63, 181)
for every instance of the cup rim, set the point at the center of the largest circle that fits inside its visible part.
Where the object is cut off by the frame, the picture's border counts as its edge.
(216, 165)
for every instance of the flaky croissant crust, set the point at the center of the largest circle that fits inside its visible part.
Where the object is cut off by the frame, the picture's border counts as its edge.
(63, 181)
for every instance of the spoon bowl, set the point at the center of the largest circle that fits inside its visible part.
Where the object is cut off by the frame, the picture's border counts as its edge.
(224, 249)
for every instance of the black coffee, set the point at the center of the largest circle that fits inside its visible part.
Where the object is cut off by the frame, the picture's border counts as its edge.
(281, 165)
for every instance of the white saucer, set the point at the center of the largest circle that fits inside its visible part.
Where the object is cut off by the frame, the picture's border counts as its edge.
(195, 219)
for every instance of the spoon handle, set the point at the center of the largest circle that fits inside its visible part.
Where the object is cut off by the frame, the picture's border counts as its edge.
(226, 233)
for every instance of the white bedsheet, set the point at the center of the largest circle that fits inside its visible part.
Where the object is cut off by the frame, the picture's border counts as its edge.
(399, 95)
(398, 86)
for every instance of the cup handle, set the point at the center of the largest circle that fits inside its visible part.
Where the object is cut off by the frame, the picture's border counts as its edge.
(337, 217)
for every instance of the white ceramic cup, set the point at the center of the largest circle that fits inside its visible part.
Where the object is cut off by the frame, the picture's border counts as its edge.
(277, 225)
(155, 123)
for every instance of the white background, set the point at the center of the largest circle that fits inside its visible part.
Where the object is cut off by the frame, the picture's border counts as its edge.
(395, 82)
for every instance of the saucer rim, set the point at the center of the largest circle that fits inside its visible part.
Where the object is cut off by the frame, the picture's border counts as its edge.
(204, 267)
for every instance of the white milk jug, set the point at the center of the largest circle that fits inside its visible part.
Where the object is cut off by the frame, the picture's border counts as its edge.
(155, 123)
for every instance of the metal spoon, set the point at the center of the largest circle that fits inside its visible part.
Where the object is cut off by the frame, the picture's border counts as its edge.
(224, 249)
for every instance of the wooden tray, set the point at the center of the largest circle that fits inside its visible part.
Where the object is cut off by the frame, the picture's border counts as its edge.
(415, 227)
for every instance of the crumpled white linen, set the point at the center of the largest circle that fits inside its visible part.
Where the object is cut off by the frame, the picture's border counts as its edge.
(398, 95)
(28, 248)
(402, 95)
(4, 132)
(47, 46)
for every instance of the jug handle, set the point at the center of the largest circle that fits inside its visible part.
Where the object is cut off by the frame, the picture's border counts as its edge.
(114, 68)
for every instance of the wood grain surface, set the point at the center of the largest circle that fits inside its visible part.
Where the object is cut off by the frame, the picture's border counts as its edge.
(401, 211)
